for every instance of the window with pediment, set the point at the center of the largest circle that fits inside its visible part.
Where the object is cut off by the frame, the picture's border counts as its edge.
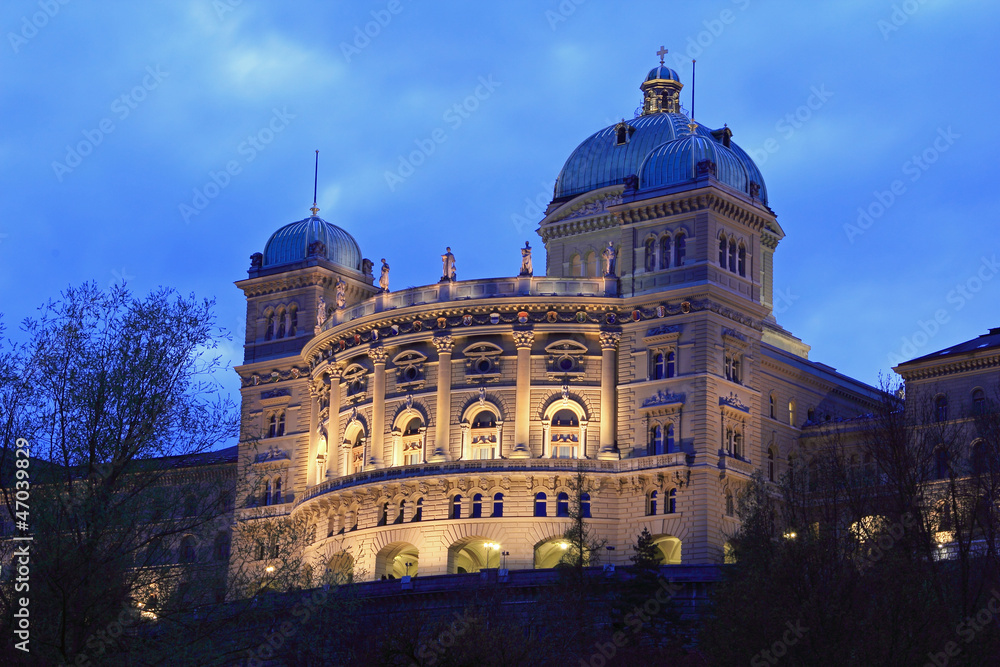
(409, 370)
(565, 359)
(355, 381)
(482, 361)
(664, 363)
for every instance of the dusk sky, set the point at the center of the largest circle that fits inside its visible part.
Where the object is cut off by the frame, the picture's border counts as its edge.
(162, 143)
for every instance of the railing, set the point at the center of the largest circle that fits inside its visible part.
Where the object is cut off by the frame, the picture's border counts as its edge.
(728, 462)
(475, 289)
(496, 465)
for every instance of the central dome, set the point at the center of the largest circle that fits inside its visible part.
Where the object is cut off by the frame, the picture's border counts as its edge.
(294, 243)
(656, 147)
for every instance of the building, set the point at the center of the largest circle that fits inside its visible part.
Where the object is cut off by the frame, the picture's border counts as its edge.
(440, 429)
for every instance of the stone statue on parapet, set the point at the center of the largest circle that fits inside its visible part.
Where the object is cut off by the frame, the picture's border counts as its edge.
(526, 268)
(447, 266)
(383, 280)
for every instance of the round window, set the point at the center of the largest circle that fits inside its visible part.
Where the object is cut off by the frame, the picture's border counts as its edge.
(566, 364)
(483, 366)
(410, 374)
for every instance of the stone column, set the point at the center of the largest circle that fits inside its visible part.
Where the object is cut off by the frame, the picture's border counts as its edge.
(312, 475)
(522, 399)
(378, 355)
(466, 452)
(609, 394)
(333, 438)
(444, 345)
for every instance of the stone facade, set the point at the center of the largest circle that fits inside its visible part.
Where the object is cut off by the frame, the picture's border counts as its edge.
(422, 425)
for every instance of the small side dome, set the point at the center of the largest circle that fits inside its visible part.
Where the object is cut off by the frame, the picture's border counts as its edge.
(312, 237)
(662, 72)
(676, 162)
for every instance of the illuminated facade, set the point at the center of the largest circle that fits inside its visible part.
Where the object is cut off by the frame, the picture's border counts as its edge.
(440, 429)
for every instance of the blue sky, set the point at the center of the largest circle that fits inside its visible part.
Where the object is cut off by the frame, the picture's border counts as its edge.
(163, 142)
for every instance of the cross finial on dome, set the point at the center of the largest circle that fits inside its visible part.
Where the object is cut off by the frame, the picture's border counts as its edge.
(314, 208)
(662, 52)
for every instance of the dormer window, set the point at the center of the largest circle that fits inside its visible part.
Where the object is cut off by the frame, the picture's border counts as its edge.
(623, 132)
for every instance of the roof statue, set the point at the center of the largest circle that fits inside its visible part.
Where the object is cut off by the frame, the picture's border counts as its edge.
(526, 268)
(383, 280)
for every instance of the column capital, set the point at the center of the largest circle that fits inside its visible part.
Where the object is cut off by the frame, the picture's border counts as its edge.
(523, 339)
(610, 339)
(378, 355)
(443, 344)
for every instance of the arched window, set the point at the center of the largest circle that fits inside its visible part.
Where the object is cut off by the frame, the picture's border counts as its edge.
(383, 515)
(220, 549)
(665, 252)
(484, 435)
(540, 504)
(811, 414)
(978, 402)
(659, 366)
(770, 406)
(187, 550)
(941, 409)
(651, 503)
(281, 324)
(418, 514)
(266, 499)
(585, 505)
(277, 490)
(722, 252)
(575, 266)
(791, 412)
(562, 504)
(650, 247)
(671, 364)
(412, 442)
(770, 465)
(738, 445)
(671, 507)
(669, 445)
(655, 440)
(456, 507)
(272, 426)
(742, 261)
(730, 507)
(732, 255)
(498, 505)
(293, 316)
(477, 506)
(402, 512)
(357, 462)
(281, 425)
(565, 435)
(269, 326)
(680, 249)
(941, 463)
(590, 264)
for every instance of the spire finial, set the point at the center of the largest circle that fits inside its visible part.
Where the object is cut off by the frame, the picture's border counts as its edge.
(662, 52)
(692, 87)
(314, 208)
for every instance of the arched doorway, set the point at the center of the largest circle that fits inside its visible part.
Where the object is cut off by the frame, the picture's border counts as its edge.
(396, 560)
(472, 554)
